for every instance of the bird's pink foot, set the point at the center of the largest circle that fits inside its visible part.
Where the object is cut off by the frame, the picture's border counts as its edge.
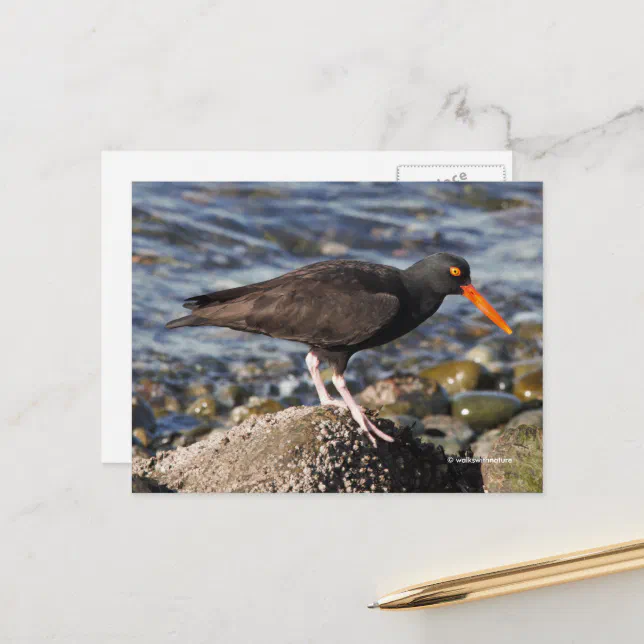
(366, 426)
(378, 432)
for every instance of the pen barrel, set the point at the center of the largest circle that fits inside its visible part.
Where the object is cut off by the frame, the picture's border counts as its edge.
(529, 575)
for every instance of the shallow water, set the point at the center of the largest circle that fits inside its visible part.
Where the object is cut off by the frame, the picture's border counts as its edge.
(194, 238)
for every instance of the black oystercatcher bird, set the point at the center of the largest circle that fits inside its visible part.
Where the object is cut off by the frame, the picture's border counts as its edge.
(338, 308)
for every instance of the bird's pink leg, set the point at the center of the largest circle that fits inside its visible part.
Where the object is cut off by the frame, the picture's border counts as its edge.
(358, 415)
(313, 363)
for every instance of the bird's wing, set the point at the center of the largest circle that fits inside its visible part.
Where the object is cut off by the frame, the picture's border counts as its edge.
(324, 317)
(312, 311)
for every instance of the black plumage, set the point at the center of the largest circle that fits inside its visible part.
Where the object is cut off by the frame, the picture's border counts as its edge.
(338, 308)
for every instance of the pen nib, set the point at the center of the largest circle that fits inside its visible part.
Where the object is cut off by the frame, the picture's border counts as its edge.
(374, 605)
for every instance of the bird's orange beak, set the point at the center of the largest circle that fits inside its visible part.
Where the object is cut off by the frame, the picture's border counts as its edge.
(485, 307)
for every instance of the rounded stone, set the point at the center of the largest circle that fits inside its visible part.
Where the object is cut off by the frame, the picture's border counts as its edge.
(485, 354)
(455, 375)
(232, 395)
(523, 367)
(515, 462)
(141, 436)
(481, 448)
(204, 407)
(530, 386)
(452, 434)
(405, 396)
(532, 417)
(255, 406)
(483, 410)
(529, 330)
(142, 415)
(199, 389)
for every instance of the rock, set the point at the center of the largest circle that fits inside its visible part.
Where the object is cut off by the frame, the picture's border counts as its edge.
(485, 354)
(530, 386)
(255, 406)
(333, 248)
(199, 389)
(454, 376)
(146, 485)
(307, 449)
(204, 407)
(532, 417)
(483, 410)
(142, 415)
(141, 436)
(482, 446)
(529, 330)
(523, 367)
(279, 365)
(158, 397)
(524, 446)
(450, 433)
(498, 380)
(405, 396)
(190, 436)
(247, 370)
(165, 404)
(232, 395)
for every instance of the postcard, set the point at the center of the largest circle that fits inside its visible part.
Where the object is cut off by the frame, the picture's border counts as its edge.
(120, 170)
(336, 336)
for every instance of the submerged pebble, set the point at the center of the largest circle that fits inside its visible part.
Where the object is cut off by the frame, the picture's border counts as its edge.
(450, 433)
(204, 407)
(484, 353)
(198, 389)
(142, 415)
(523, 367)
(483, 410)
(455, 375)
(255, 406)
(406, 396)
(530, 386)
(232, 395)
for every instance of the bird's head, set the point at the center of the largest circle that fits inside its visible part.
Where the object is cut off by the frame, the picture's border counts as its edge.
(450, 275)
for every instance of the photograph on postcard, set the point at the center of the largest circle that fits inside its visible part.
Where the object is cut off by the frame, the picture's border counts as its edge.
(337, 337)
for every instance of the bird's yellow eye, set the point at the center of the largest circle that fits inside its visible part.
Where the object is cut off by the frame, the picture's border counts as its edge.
(455, 271)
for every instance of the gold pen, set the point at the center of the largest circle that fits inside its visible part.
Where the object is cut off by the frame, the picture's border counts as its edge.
(528, 575)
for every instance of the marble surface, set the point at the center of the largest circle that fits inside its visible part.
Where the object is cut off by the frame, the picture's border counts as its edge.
(559, 84)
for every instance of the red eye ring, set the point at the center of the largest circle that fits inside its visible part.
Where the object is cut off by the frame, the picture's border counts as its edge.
(455, 271)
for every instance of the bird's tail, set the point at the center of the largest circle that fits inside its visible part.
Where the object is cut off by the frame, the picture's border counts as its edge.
(188, 320)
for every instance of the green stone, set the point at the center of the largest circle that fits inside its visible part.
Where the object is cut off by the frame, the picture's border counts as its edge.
(523, 367)
(454, 376)
(267, 406)
(198, 389)
(255, 407)
(483, 410)
(204, 407)
(529, 330)
(485, 354)
(232, 395)
(522, 448)
(141, 435)
(530, 386)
